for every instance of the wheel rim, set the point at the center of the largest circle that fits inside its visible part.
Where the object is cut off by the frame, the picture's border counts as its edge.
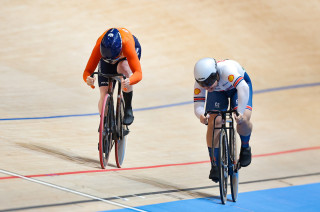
(121, 143)
(234, 175)
(105, 134)
(223, 167)
(234, 182)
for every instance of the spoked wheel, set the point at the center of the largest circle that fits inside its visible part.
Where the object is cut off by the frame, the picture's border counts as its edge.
(105, 133)
(234, 174)
(121, 143)
(223, 166)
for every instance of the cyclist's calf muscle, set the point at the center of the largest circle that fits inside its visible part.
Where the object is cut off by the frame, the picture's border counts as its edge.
(245, 128)
(216, 132)
(103, 92)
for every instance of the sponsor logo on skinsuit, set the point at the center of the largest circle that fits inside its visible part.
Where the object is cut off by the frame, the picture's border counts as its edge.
(197, 91)
(230, 78)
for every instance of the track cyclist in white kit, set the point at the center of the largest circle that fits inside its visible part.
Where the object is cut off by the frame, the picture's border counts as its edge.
(215, 84)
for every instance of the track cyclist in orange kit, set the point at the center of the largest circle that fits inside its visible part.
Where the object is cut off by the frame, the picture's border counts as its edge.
(116, 51)
(223, 80)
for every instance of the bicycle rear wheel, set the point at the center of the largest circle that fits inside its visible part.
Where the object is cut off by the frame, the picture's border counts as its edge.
(105, 133)
(121, 143)
(234, 174)
(223, 166)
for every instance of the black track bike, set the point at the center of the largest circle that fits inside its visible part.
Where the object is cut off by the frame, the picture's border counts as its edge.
(229, 164)
(112, 131)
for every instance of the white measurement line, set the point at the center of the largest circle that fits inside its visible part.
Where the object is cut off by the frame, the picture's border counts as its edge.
(69, 190)
(142, 197)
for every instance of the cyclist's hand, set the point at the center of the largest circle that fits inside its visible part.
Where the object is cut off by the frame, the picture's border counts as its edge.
(204, 119)
(125, 83)
(90, 81)
(239, 119)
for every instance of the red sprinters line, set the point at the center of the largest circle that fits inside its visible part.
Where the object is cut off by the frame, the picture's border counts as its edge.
(157, 166)
(288, 151)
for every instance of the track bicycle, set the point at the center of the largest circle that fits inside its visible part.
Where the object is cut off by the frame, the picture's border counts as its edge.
(112, 131)
(228, 164)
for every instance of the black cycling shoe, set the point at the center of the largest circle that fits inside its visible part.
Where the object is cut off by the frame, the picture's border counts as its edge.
(214, 174)
(128, 116)
(245, 156)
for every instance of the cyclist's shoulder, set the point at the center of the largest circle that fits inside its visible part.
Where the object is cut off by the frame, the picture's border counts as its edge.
(198, 90)
(227, 63)
(227, 67)
(126, 35)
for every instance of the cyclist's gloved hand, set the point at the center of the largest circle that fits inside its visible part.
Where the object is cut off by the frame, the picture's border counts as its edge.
(90, 81)
(239, 119)
(204, 119)
(125, 83)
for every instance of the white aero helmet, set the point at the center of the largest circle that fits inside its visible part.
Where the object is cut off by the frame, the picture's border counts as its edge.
(206, 72)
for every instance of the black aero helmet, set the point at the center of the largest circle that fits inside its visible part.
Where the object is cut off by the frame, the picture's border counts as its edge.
(111, 45)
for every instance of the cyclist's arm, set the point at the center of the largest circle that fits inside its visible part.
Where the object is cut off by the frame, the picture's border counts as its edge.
(199, 98)
(243, 96)
(130, 53)
(93, 60)
(232, 75)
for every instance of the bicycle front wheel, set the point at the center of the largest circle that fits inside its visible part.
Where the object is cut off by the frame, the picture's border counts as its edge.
(105, 133)
(223, 166)
(121, 143)
(234, 174)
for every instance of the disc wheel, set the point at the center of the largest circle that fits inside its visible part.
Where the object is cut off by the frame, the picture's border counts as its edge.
(121, 142)
(223, 166)
(105, 133)
(234, 175)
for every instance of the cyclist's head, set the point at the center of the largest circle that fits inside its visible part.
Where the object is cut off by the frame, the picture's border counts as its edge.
(205, 72)
(111, 45)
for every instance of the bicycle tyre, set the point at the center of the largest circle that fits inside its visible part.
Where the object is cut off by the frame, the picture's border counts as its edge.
(121, 143)
(234, 174)
(223, 166)
(105, 133)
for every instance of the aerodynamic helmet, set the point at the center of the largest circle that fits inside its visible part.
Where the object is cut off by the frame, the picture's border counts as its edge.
(111, 45)
(206, 72)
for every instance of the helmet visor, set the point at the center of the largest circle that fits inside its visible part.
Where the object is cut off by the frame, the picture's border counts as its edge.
(209, 81)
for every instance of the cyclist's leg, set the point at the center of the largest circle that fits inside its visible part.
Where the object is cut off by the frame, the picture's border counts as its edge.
(245, 128)
(215, 101)
(103, 92)
(124, 68)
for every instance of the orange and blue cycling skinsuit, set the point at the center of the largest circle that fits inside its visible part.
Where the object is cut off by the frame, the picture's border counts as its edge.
(131, 51)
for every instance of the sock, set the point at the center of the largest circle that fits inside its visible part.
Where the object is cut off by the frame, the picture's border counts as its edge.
(245, 141)
(210, 154)
(216, 155)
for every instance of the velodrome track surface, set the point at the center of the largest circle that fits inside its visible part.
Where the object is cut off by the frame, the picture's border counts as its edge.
(48, 116)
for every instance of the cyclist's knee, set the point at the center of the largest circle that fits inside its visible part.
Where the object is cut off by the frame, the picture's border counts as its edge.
(124, 68)
(245, 128)
(212, 120)
(103, 91)
(247, 115)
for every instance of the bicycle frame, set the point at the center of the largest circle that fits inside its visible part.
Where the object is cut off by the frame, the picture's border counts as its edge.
(230, 121)
(228, 165)
(112, 131)
(112, 78)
